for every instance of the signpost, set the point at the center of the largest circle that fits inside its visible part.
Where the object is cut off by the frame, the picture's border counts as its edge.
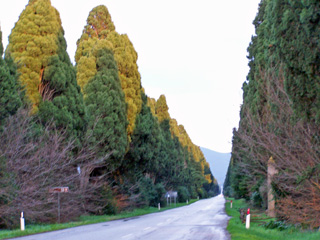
(59, 190)
(171, 194)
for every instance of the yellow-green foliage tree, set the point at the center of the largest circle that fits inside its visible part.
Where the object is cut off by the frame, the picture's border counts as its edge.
(32, 42)
(100, 33)
(38, 46)
(161, 111)
(192, 148)
(152, 105)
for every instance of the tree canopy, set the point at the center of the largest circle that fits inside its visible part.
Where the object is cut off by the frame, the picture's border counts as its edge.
(38, 47)
(106, 108)
(100, 33)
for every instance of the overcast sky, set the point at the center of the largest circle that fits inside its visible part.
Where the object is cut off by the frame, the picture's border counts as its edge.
(193, 52)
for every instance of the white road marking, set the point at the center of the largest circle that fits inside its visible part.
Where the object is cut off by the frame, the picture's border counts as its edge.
(147, 228)
(127, 236)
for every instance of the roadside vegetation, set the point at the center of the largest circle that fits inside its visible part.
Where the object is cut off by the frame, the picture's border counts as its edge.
(85, 220)
(89, 127)
(263, 227)
(276, 148)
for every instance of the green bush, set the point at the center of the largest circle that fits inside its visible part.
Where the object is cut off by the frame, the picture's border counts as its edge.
(202, 193)
(256, 200)
(146, 192)
(279, 225)
(159, 197)
(150, 194)
(183, 194)
(193, 192)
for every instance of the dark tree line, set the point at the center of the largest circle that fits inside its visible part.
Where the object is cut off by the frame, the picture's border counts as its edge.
(280, 113)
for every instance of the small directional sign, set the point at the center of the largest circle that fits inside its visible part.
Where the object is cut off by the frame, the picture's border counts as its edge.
(59, 190)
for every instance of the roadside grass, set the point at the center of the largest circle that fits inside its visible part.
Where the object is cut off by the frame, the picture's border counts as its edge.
(85, 220)
(256, 231)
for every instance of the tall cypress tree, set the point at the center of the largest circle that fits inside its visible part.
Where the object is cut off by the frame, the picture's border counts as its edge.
(144, 152)
(9, 91)
(32, 42)
(100, 31)
(107, 108)
(62, 99)
(297, 46)
(37, 45)
(161, 109)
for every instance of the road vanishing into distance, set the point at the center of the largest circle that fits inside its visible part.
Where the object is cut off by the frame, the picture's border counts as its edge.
(204, 219)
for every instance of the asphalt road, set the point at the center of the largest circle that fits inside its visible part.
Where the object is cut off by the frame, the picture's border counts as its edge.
(204, 219)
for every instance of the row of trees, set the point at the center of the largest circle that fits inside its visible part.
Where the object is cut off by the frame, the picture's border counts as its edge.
(90, 127)
(280, 113)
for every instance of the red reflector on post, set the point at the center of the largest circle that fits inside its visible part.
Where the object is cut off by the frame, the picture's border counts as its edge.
(248, 211)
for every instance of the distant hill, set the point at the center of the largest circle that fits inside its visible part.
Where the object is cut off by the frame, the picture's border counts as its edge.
(219, 163)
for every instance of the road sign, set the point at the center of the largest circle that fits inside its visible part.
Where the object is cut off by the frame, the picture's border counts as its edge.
(59, 190)
(171, 194)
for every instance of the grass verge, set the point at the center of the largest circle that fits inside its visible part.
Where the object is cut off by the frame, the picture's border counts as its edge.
(238, 230)
(84, 220)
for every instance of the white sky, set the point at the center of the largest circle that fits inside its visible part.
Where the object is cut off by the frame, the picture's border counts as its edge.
(192, 51)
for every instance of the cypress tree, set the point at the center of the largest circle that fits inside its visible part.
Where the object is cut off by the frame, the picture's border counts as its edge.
(1, 45)
(37, 45)
(32, 42)
(174, 144)
(168, 153)
(161, 109)
(62, 99)
(100, 31)
(107, 108)
(146, 140)
(287, 36)
(10, 99)
(296, 44)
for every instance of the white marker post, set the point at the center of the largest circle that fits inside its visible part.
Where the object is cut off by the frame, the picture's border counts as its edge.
(187, 201)
(231, 204)
(159, 206)
(22, 224)
(248, 219)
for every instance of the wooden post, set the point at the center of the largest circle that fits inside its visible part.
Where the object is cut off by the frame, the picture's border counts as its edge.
(59, 190)
(58, 207)
(271, 201)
